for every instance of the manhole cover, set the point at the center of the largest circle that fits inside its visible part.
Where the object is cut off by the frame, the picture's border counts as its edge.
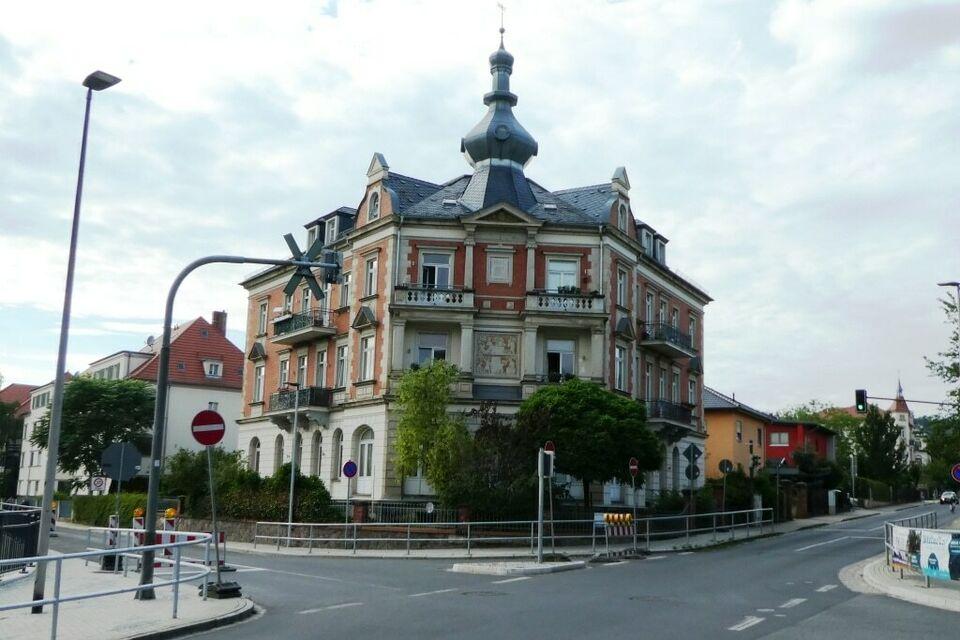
(484, 594)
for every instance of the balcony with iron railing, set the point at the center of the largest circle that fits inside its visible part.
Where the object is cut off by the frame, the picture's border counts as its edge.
(560, 301)
(664, 412)
(310, 397)
(303, 327)
(667, 340)
(425, 295)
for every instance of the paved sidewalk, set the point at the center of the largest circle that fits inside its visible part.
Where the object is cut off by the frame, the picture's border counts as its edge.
(682, 543)
(878, 578)
(112, 617)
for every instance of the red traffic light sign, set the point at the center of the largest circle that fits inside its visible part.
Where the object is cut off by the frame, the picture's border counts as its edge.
(208, 427)
(634, 467)
(549, 447)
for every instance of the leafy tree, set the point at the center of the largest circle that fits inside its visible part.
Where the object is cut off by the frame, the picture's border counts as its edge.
(96, 413)
(943, 446)
(428, 437)
(596, 431)
(9, 431)
(185, 474)
(947, 367)
(834, 418)
(879, 454)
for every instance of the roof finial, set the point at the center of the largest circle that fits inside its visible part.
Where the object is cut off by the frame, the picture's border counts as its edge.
(502, 9)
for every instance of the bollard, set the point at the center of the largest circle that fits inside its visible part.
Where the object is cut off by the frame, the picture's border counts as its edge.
(648, 535)
(408, 538)
(533, 535)
(176, 581)
(468, 540)
(354, 538)
(310, 538)
(714, 527)
(56, 602)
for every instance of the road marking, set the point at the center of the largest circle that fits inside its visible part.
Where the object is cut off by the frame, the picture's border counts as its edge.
(765, 610)
(656, 557)
(789, 604)
(826, 587)
(613, 564)
(820, 544)
(780, 615)
(430, 593)
(343, 605)
(746, 623)
(684, 553)
(511, 580)
(867, 537)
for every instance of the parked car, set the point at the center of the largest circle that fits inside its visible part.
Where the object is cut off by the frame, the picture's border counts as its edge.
(947, 497)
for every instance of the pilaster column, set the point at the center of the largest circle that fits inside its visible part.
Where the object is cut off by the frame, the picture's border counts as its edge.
(468, 262)
(398, 328)
(531, 259)
(466, 348)
(529, 352)
(598, 355)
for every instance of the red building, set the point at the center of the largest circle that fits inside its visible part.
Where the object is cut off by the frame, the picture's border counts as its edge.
(787, 437)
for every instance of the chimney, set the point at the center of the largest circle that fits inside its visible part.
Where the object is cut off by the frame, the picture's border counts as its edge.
(220, 321)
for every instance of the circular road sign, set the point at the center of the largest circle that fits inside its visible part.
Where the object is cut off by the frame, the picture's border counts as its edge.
(349, 468)
(98, 483)
(634, 467)
(208, 427)
(726, 466)
(955, 472)
(549, 447)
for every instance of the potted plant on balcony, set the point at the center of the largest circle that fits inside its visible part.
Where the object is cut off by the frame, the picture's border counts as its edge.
(569, 290)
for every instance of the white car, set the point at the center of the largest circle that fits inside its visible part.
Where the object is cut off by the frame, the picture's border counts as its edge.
(947, 497)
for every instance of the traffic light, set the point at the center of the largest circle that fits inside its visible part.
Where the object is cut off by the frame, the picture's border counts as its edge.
(861, 400)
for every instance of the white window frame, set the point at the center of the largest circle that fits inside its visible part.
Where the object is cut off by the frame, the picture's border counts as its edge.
(782, 439)
(284, 374)
(622, 287)
(258, 380)
(422, 349)
(287, 303)
(367, 346)
(311, 236)
(561, 276)
(302, 370)
(438, 268)
(373, 206)
(675, 318)
(620, 367)
(320, 375)
(262, 318)
(305, 300)
(214, 369)
(566, 351)
(662, 384)
(692, 328)
(675, 387)
(330, 230)
(345, 290)
(692, 391)
(341, 364)
(648, 382)
(370, 276)
(492, 259)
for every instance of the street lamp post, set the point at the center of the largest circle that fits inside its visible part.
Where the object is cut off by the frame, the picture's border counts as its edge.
(96, 81)
(293, 454)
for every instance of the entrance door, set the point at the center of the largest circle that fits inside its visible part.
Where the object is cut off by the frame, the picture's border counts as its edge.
(365, 464)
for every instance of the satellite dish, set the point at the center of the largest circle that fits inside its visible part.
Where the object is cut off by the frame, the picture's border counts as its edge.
(150, 341)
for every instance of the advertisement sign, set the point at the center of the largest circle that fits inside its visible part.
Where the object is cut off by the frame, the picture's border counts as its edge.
(905, 543)
(935, 554)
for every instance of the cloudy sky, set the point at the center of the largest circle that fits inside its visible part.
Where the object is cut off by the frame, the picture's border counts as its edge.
(802, 157)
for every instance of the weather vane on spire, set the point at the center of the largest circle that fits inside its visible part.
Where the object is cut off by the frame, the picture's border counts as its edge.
(502, 9)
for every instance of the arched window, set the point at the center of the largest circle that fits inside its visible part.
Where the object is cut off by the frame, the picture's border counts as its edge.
(298, 439)
(676, 469)
(373, 209)
(253, 455)
(277, 453)
(365, 461)
(337, 452)
(316, 453)
(622, 218)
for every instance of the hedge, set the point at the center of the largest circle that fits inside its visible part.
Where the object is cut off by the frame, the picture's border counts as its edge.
(873, 489)
(95, 510)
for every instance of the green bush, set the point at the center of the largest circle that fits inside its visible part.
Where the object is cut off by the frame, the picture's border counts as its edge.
(866, 488)
(95, 510)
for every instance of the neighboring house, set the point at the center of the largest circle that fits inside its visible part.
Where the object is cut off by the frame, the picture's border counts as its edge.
(734, 429)
(206, 372)
(517, 285)
(787, 437)
(17, 395)
(30, 478)
(915, 448)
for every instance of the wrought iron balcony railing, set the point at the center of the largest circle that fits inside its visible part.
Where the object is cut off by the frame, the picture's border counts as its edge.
(663, 332)
(318, 318)
(309, 397)
(666, 410)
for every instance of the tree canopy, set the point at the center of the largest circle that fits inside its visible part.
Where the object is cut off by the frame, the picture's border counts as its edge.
(96, 413)
(880, 455)
(947, 365)
(595, 431)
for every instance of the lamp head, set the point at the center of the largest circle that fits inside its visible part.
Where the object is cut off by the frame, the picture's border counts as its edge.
(100, 80)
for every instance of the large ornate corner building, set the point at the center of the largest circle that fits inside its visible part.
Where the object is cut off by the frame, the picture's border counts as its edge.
(516, 285)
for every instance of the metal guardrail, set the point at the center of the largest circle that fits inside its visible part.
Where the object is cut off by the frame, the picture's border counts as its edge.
(130, 551)
(471, 535)
(928, 520)
(19, 529)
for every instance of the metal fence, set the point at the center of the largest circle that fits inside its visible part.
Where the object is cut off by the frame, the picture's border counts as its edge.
(928, 520)
(181, 539)
(470, 536)
(19, 530)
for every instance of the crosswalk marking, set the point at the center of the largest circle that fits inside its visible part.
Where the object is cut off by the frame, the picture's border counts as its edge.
(746, 623)
(789, 604)
(826, 587)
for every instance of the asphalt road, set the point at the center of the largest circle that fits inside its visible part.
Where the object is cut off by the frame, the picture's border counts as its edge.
(781, 587)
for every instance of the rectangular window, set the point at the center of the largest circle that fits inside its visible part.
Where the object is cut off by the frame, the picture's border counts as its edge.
(284, 373)
(366, 358)
(647, 242)
(692, 391)
(302, 370)
(692, 329)
(560, 360)
(500, 269)
(675, 388)
(620, 362)
(341, 373)
(311, 236)
(662, 384)
(662, 318)
(213, 369)
(561, 274)
(262, 319)
(305, 300)
(321, 373)
(345, 291)
(258, 383)
(622, 288)
(739, 430)
(648, 375)
(435, 271)
(779, 439)
(430, 347)
(370, 277)
(287, 302)
(648, 309)
(331, 230)
(661, 252)
(675, 318)
(213, 406)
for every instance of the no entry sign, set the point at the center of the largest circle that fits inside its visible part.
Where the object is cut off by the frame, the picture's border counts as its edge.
(634, 467)
(208, 427)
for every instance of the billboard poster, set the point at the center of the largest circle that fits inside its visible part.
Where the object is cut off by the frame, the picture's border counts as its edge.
(905, 545)
(935, 554)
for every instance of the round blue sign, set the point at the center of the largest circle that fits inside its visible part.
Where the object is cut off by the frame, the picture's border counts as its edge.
(955, 472)
(349, 468)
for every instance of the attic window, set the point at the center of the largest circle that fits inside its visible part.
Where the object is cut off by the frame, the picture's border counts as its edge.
(549, 206)
(449, 202)
(204, 333)
(373, 208)
(181, 366)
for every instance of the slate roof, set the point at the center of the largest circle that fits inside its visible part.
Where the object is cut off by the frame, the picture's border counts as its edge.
(594, 200)
(715, 401)
(190, 345)
(409, 191)
(350, 211)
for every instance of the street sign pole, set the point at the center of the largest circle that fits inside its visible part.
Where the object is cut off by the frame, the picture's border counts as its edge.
(634, 466)
(293, 459)
(213, 516)
(551, 449)
(349, 470)
(540, 471)
(119, 482)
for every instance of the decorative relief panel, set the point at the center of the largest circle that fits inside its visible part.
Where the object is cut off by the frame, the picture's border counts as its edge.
(496, 355)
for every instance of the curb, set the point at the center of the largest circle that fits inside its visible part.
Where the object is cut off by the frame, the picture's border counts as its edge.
(907, 593)
(203, 625)
(476, 568)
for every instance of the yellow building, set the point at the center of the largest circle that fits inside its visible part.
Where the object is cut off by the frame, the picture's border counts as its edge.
(736, 433)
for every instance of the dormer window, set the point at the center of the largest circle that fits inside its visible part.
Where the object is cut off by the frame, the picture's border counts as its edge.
(661, 252)
(373, 208)
(622, 218)
(331, 230)
(311, 236)
(647, 242)
(213, 368)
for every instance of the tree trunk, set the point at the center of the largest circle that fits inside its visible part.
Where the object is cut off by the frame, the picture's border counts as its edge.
(587, 496)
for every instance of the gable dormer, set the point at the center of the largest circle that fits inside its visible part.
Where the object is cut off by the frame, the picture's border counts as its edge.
(377, 200)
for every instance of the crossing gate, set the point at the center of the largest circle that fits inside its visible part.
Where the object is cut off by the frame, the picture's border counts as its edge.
(614, 525)
(167, 535)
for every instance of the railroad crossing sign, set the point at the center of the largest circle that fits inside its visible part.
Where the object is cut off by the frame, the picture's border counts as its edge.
(120, 461)
(692, 453)
(726, 466)
(955, 472)
(349, 468)
(634, 467)
(208, 427)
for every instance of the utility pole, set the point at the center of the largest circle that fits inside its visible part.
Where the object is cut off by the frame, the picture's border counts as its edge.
(293, 454)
